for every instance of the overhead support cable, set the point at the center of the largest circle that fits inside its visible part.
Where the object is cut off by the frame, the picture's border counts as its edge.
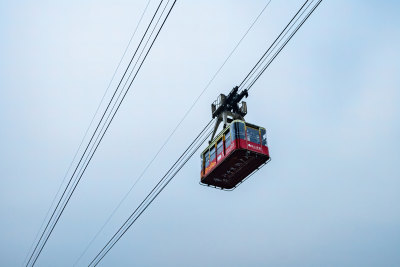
(72, 189)
(163, 182)
(66, 197)
(290, 22)
(88, 128)
(248, 82)
(173, 131)
(166, 179)
(283, 46)
(182, 160)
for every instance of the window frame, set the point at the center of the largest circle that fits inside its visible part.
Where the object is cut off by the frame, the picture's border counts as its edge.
(212, 148)
(207, 158)
(238, 130)
(250, 133)
(263, 134)
(228, 133)
(220, 141)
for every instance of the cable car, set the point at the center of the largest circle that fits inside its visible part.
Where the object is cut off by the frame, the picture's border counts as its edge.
(239, 150)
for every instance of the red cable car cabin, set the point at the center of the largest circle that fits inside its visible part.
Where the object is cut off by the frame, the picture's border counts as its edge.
(234, 154)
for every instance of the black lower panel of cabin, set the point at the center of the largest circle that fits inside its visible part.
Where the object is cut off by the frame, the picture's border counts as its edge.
(235, 168)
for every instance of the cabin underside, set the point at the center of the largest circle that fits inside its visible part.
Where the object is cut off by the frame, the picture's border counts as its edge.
(234, 169)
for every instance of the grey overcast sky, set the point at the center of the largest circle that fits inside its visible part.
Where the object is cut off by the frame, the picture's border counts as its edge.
(330, 103)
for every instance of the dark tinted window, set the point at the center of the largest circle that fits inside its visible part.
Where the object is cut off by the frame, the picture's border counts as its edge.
(240, 130)
(264, 137)
(227, 138)
(206, 156)
(220, 147)
(233, 127)
(253, 135)
(212, 154)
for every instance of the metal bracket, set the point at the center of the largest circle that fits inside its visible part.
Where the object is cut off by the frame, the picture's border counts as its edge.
(227, 107)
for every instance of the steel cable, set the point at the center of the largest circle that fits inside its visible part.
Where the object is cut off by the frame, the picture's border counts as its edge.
(173, 132)
(90, 143)
(113, 109)
(283, 46)
(153, 193)
(96, 147)
(275, 45)
(251, 71)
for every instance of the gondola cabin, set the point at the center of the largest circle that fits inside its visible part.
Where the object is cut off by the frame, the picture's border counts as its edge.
(239, 150)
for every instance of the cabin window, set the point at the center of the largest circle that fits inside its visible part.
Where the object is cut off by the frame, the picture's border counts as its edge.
(253, 135)
(240, 130)
(228, 139)
(207, 158)
(264, 137)
(220, 147)
(232, 130)
(212, 153)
